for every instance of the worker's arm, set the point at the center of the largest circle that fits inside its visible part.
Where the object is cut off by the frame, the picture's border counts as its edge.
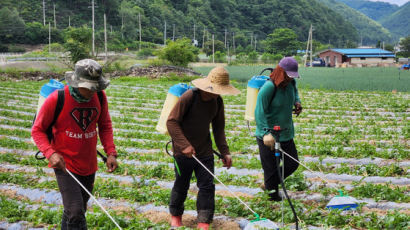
(105, 130)
(106, 135)
(218, 129)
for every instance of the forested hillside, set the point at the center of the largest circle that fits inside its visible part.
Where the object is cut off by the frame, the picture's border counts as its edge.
(249, 19)
(370, 31)
(374, 10)
(399, 22)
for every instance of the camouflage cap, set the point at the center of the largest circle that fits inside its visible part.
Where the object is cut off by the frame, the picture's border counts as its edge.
(87, 74)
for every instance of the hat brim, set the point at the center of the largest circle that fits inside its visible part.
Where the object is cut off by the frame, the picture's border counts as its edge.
(292, 74)
(205, 85)
(78, 82)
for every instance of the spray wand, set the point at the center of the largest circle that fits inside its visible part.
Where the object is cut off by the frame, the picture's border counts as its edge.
(276, 133)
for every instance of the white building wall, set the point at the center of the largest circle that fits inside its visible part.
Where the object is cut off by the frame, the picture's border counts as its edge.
(372, 61)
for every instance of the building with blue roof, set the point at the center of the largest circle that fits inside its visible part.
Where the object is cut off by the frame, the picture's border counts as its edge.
(357, 57)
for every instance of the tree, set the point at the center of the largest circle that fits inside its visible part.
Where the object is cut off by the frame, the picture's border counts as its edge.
(283, 41)
(11, 26)
(78, 43)
(36, 33)
(179, 52)
(405, 47)
(129, 15)
(219, 46)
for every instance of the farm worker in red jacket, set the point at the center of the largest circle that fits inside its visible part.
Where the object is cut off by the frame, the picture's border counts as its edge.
(74, 142)
(188, 124)
(274, 105)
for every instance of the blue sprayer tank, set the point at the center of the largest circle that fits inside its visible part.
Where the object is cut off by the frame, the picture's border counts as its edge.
(254, 85)
(174, 93)
(45, 91)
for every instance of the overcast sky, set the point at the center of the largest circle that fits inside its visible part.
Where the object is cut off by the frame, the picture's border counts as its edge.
(397, 2)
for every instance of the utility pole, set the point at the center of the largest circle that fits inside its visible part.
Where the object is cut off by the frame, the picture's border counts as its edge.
(229, 57)
(139, 19)
(55, 24)
(233, 42)
(44, 13)
(255, 41)
(105, 37)
(173, 32)
(69, 21)
(213, 48)
(49, 37)
(111, 28)
(251, 39)
(92, 6)
(225, 37)
(194, 32)
(307, 47)
(122, 26)
(311, 44)
(203, 39)
(165, 33)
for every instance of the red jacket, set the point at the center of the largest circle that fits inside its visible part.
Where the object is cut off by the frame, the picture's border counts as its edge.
(75, 131)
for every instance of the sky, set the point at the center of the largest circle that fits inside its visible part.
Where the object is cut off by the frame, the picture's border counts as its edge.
(397, 2)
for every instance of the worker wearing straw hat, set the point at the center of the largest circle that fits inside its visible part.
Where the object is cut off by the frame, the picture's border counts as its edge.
(188, 124)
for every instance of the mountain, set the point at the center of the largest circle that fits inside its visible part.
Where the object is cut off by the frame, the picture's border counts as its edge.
(256, 18)
(374, 10)
(370, 31)
(399, 22)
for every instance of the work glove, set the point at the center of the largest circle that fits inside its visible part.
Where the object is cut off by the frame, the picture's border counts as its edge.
(227, 161)
(57, 161)
(189, 151)
(298, 108)
(269, 141)
(111, 163)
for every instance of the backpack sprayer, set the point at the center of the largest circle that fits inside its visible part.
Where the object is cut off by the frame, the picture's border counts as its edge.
(341, 201)
(45, 91)
(174, 93)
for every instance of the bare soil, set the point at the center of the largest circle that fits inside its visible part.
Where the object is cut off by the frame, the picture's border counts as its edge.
(23, 73)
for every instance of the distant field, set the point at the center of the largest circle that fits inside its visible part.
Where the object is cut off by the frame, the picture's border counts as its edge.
(369, 79)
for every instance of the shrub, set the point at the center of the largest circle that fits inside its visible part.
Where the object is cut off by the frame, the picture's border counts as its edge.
(267, 58)
(179, 52)
(219, 57)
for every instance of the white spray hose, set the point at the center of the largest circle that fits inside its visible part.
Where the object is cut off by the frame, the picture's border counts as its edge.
(325, 180)
(82, 186)
(256, 214)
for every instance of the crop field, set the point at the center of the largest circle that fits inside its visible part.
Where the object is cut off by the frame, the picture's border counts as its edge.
(372, 78)
(358, 140)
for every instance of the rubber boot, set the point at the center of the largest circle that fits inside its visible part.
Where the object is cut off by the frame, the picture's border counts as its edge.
(176, 221)
(204, 226)
(275, 196)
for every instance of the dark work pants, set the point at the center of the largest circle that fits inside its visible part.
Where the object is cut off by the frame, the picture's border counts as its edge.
(205, 203)
(268, 161)
(74, 199)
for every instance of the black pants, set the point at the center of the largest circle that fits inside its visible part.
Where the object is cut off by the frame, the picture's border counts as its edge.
(268, 161)
(74, 199)
(205, 202)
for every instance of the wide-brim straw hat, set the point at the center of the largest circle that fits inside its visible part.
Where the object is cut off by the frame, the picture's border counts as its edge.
(217, 82)
(87, 74)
